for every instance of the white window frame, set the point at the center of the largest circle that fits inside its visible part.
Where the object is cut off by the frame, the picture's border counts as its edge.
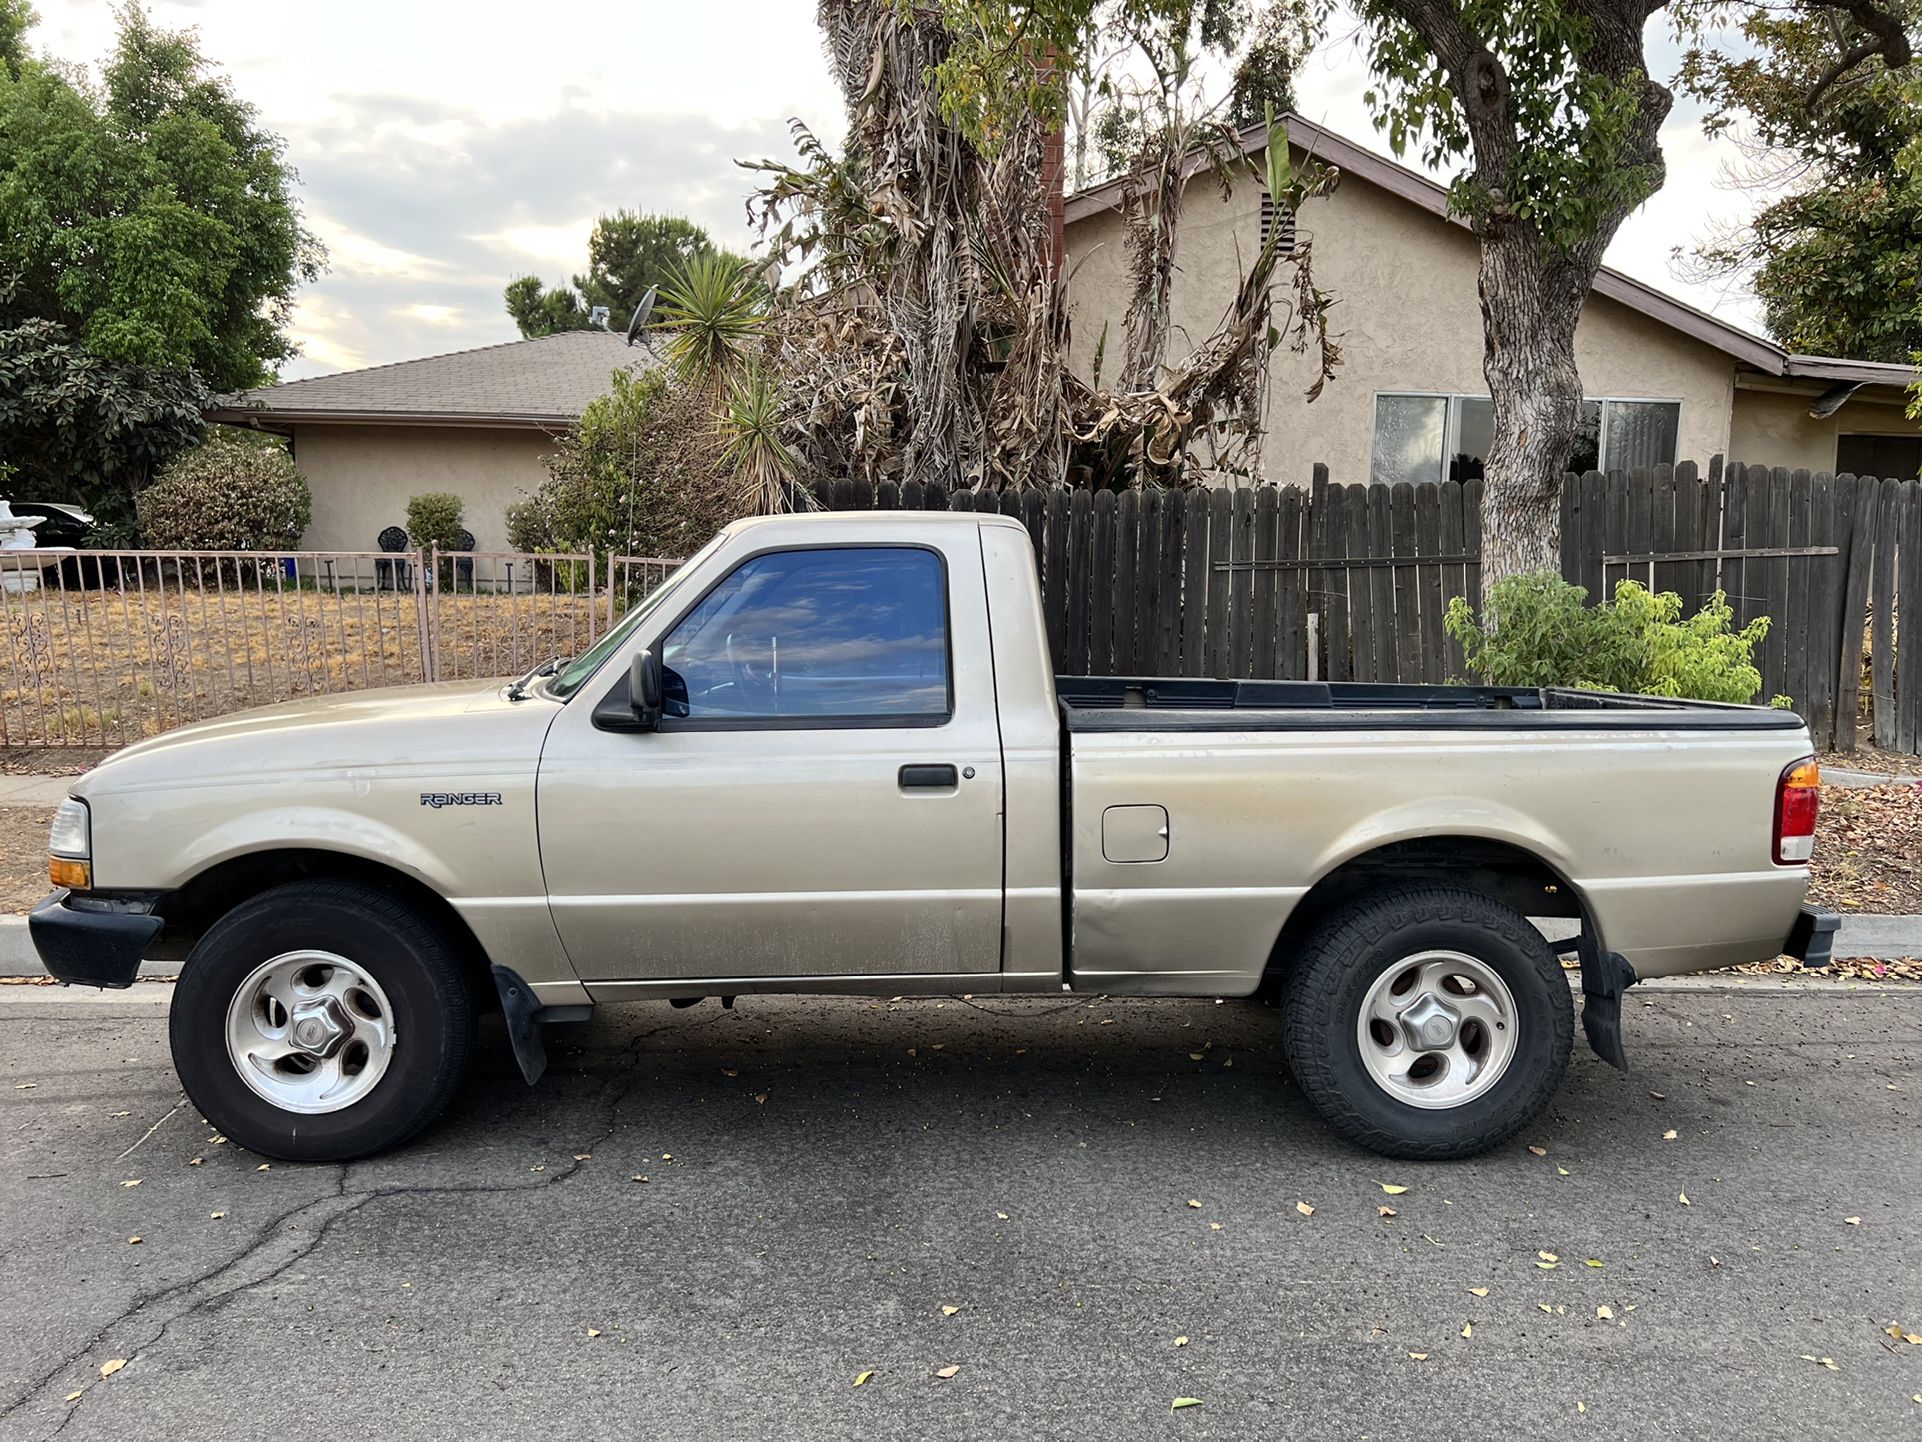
(1450, 423)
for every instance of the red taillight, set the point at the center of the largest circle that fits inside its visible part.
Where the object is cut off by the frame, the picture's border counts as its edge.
(1798, 796)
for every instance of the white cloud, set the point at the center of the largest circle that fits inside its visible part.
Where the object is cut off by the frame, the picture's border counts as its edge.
(560, 248)
(434, 315)
(349, 253)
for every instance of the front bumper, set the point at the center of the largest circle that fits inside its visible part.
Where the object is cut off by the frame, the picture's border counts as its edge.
(90, 940)
(1811, 940)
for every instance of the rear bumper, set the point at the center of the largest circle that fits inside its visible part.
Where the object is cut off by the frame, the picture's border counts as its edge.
(91, 941)
(1811, 940)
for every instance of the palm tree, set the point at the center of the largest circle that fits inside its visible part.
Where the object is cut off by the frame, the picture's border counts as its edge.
(752, 447)
(712, 309)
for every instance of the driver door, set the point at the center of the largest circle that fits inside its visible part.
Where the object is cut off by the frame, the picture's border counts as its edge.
(823, 796)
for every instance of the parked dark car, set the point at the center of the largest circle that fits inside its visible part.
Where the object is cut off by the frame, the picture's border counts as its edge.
(55, 522)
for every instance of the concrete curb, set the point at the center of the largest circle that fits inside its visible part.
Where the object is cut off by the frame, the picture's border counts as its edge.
(1842, 776)
(77, 1002)
(1880, 938)
(18, 958)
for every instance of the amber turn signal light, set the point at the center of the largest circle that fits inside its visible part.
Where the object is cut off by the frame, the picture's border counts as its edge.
(75, 875)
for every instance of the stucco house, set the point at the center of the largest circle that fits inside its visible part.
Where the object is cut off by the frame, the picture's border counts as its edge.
(473, 422)
(1666, 381)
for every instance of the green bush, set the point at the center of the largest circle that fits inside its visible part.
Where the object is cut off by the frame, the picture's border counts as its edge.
(434, 519)
(1544, 634)
(233, 492)
(641, 476)
(527, 527)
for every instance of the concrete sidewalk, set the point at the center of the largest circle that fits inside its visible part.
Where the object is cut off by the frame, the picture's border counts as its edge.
(34, 790)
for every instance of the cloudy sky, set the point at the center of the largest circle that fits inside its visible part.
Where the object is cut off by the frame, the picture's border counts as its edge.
(444, 148)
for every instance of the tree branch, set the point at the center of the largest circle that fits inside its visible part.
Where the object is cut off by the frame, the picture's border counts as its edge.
(1887, 37)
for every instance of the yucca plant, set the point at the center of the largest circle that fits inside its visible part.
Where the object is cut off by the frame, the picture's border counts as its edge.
(712, 309)
(752, 446)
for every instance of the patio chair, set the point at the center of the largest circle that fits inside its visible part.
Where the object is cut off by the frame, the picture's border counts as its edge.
(394, 575)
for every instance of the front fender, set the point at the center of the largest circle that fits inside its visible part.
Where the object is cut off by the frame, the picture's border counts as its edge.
(195, 851)
(483, 860)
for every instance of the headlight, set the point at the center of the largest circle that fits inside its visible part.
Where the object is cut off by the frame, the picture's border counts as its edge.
(71, 864)
(72, 832)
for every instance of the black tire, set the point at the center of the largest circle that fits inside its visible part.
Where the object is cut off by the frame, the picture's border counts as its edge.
(1325, 986)
(433, 1016)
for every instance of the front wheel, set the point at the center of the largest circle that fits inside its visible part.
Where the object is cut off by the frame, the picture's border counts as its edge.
(321, 1021)
(1427, 1021)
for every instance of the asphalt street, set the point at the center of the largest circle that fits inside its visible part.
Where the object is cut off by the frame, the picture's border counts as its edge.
(1086, 1184)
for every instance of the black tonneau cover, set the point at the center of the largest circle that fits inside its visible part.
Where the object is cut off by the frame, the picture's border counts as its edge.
(1149, 703)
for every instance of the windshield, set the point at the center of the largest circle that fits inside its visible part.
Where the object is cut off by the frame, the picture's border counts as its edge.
(576, 672)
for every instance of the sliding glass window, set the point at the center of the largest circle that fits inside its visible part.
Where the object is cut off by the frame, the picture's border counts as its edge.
(1421, 437)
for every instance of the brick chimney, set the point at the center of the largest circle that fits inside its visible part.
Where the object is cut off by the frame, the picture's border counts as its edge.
(1054, 174)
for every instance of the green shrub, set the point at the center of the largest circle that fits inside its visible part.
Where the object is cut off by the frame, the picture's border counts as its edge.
(641, 476)
(233, 492)
(434, 519)
(527, 527)
(1544, 634)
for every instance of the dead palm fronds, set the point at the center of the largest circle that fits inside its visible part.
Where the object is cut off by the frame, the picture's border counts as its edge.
(926, 336)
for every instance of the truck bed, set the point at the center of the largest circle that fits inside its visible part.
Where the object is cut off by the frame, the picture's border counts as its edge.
(1149, 703)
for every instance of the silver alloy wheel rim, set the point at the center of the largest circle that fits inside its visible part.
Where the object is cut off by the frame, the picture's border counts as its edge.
(310, 1032)
(1437, 1029)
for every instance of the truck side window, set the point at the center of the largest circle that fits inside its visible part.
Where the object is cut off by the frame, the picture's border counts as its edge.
(844, 632)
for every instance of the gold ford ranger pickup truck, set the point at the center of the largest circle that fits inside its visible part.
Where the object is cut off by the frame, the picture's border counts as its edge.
(831, 755)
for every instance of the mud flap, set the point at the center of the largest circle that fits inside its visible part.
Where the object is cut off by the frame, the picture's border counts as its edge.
(1605, 976)
(523, 1016)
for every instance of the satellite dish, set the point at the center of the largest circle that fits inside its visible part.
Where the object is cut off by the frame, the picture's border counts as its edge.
(642, 313)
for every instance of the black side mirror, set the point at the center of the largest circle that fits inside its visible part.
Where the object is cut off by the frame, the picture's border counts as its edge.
(636, 704)
(644, 688)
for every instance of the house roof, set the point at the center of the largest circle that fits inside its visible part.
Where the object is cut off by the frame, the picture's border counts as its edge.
(544, 383)
(1352, 159)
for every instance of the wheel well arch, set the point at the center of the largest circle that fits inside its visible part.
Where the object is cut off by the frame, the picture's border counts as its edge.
(191, 909)
(1501, 870)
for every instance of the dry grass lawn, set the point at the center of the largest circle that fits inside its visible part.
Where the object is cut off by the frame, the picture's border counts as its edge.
(105, 668)
(23, 857)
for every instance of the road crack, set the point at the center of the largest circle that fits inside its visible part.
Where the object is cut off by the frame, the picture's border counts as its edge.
(279, 1245)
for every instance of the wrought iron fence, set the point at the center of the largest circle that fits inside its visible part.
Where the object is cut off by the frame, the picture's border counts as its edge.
(631, 579)
(106, 647)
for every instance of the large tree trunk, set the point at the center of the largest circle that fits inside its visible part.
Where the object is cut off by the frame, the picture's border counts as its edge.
(1530, 305)
(1532, 288)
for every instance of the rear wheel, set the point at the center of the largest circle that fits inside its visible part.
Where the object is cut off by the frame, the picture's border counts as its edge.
(321, 1021)
(1427, 1021)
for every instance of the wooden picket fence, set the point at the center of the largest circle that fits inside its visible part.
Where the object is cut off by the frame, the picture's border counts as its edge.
(1351, 582)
